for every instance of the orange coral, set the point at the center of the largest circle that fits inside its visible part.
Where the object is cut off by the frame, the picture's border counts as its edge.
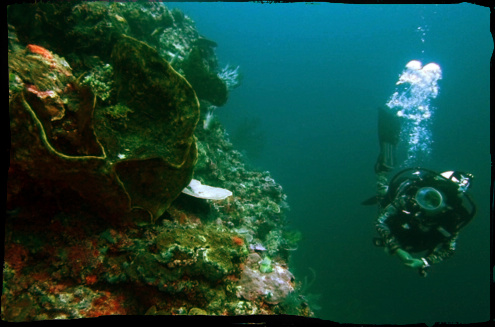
(237, 240)
(105, 305)
(91, 279)
(40, 50)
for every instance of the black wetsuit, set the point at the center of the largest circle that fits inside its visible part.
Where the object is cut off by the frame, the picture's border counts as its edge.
(402, 223)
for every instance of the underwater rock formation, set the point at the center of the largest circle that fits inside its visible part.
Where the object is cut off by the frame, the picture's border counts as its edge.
(272, 285)
(103, 131)
(141, 157)
(51, 131)
(208, 85)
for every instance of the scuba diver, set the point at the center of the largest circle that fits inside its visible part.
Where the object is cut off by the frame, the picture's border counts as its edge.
(420, 211)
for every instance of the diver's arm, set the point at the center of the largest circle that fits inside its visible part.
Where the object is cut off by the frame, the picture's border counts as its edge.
(410, 261)
(442, 251)
(389, 241)
(461, 216)
(383, 229)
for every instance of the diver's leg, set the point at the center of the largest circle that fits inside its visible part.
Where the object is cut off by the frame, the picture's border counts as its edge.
(381, 185)
(388, 137)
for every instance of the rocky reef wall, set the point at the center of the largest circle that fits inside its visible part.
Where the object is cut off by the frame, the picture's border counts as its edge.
(104, 104)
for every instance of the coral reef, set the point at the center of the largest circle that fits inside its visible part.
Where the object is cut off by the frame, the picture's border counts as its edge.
(207, 83)
(103, 104)
(230, 76)
(208, 117)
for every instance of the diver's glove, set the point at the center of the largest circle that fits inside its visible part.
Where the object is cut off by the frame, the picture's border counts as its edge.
(408, 260)
(415, 263)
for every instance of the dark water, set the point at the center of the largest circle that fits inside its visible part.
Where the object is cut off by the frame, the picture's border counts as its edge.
(313, 76)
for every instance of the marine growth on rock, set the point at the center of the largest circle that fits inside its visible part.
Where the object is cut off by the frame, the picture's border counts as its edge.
(104, 101)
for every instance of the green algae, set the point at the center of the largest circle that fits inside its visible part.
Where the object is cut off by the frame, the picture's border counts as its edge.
(266, 265)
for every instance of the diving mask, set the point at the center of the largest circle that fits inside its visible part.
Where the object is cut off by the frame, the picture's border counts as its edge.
(430, 199)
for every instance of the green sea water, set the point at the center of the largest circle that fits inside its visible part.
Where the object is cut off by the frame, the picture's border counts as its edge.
(313, 77)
